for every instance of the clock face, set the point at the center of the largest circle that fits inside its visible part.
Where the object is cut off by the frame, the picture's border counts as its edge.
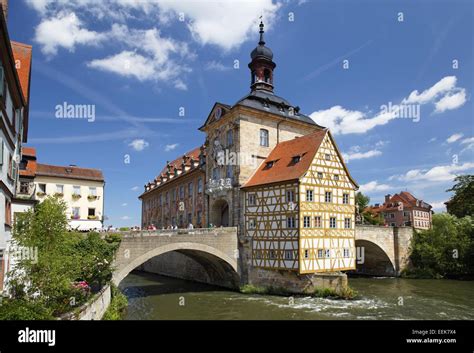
(218, 113)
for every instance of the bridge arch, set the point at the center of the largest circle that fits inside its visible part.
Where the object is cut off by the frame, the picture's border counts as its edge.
(220, 267)
(373, 259)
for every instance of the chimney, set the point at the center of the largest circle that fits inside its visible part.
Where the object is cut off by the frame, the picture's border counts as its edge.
(387, 198)
(4, 4)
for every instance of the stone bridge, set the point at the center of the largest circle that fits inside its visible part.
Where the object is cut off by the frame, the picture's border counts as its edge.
(216, 250)
(383, 251)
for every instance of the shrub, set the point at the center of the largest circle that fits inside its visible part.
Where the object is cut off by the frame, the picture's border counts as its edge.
(117, 306)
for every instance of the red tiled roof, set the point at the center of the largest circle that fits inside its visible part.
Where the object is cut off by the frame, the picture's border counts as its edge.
(22, 54)
(29, 156)
(406, 198)
(69, 172)
(283, 168)
(28, 151)
(178, 161)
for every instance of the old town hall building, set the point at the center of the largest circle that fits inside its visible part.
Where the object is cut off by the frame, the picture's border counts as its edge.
(269, 170)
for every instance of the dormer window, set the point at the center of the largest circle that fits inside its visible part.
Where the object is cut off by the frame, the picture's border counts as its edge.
(327, 156)
(295, 159)
(269, 164)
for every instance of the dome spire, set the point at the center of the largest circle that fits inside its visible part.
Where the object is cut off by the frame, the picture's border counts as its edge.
(261, 42)
(262, 65)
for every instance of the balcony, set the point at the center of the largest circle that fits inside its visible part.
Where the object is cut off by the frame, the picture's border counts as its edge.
(218, 187)
(25, 190)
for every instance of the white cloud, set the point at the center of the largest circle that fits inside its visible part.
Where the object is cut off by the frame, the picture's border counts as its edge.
(171, 147)
(435, 174)
(446, 84)
(124, 204)
(125, 218)
(438, 206)
(468, 140)
(454, 138)
(65, 30)
(373, 186)
(135, 188)
(216, 66)
(126, 64)
(139, 144)
(226, 24)
(343, 121)
(451, 101)
(361, 155)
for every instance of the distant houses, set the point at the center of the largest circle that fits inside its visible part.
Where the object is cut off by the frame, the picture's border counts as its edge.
(403, 210)
(82, 189)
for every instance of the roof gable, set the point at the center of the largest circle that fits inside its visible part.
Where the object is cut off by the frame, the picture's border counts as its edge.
(215, 115)
(284, 166)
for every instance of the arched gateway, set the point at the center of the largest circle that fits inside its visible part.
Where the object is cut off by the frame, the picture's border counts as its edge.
(216, 250)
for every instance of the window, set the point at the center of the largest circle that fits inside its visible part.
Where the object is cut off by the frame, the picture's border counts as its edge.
(288, 254)
(181, 220)
(347, 223)
(167, 198)
(309, 195)
(252, 223)
(290, 222)
(8, 213)
(320, 175)
(295, 159)
(332, 222)
(24, 187)
(271, 254)
(199, 185)
(190, 218)
(392, 215)
(215, 173)
(229, 138)
(160, 200)
(328, 196)
(76, 190)
(1, 147)
(264, 138)
(345, 199)
(181, 192)
(190, 189)
(290, 196)
(307, 221)
(346, 252)
(229, 172)
(406, 213)
(317, 221)
(75, 213)
(336, 177)
(306, 253)
(199, 217)
(320, 253)
(91, 212)
(252, 200)
(269, 164)
(92, 191)
(327, 156)
(59, 188)
(327, 252)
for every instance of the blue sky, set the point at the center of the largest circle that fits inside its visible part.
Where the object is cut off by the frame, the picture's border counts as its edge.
(138, 63)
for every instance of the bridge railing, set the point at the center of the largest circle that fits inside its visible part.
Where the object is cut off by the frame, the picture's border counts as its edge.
(174, 232)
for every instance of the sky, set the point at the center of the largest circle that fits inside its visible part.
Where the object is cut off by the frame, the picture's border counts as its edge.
(150, 72)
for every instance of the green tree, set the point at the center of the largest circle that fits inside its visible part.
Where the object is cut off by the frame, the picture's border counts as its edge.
(362, 201)
(462, 202)
(445, 250)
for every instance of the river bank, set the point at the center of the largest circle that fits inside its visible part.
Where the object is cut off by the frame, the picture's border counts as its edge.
(155, 297)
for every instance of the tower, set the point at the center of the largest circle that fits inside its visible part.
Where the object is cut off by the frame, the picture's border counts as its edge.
(262, 66)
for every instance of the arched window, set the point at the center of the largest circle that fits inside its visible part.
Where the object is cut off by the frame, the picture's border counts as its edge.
(264, 138)
(253, 77)
(266, 74)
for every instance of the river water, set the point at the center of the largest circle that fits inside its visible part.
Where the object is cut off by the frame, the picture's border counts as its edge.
(155, 297)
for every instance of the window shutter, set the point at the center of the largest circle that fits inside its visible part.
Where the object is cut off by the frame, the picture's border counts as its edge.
(2, 78)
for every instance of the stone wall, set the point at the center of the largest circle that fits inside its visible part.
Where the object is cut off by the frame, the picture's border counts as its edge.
(297, 284)
(93, 310)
